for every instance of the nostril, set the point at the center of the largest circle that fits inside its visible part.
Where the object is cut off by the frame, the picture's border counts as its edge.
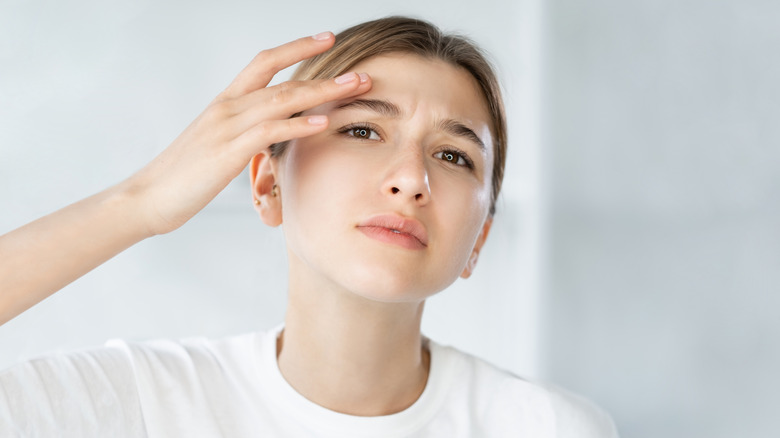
(395, 190)
(418, 196)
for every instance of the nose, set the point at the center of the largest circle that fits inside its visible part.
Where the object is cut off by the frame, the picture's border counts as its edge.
(407, 178)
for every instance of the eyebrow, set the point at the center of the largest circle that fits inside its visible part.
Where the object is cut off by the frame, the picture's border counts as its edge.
(391, 110)
(383, 107)
(457, 129)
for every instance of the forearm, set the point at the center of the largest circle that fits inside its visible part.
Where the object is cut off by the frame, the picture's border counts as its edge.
(44, 256)
(40, 258)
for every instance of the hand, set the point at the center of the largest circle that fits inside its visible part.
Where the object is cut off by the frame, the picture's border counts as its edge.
(241, 122)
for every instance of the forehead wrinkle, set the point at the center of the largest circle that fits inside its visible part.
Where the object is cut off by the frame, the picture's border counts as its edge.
(380, 106)
(390, 110)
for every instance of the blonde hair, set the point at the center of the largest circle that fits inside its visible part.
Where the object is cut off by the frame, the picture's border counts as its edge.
(408, 35)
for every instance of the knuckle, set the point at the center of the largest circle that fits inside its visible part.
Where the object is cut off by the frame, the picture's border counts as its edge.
(262, 129)
(282, 93)
(286, 86)
(291, 124)
(221, 110)
(222, 96)
(263, 54)
(278, 97)
(326, 85)
(267, 59)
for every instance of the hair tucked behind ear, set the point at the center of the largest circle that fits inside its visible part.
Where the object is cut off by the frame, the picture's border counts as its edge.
(418, 37)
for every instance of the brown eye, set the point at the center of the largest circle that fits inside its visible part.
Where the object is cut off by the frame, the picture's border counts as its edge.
(456, 158)
(451, 157)
(361, 133)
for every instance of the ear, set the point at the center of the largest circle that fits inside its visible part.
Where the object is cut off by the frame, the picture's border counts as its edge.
(263, 178)
(472, 263)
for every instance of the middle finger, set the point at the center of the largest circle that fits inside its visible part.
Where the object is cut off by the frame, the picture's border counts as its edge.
(283, 100)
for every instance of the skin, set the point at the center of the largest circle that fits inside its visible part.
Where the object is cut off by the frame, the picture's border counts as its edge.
(352, 338)
(240, 123)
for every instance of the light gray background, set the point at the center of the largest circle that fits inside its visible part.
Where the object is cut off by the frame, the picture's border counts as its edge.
(634, 259)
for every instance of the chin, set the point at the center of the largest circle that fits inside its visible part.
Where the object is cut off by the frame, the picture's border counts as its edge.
(392, 287)
(391, 297)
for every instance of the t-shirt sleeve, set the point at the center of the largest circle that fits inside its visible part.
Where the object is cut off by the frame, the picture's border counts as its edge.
(576, 417)
(86, 393)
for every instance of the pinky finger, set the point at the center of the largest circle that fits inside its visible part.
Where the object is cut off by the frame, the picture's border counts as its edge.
(268, 132)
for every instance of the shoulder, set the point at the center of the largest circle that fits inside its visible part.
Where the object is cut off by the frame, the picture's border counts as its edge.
(122, 387)
(521, 404)
(78, 389)
(577, 416)
(189, 371)
(188, 353)
(86, 367)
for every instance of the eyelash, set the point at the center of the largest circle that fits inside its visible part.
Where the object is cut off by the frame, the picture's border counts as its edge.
(349, 129)
(467, 162)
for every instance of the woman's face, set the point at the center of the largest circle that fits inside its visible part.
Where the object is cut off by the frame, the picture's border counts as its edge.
(392, 199)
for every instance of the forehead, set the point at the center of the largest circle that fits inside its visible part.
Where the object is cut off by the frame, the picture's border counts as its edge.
(427, 85)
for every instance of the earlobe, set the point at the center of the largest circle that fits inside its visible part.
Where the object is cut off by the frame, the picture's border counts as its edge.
(470, 265)
(474, 256)
(265, 191)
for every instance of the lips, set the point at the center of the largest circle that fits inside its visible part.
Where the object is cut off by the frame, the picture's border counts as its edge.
(405, 232)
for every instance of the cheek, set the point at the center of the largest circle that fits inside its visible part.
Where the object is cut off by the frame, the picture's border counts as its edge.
(316, 171)
(465, 198)
(463, 207)
(318, 182)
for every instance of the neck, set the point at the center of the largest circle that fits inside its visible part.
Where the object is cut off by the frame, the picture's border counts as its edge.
(351, 354)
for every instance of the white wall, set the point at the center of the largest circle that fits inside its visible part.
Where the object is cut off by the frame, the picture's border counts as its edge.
(657, 121)
(661, 137)
(90, 91)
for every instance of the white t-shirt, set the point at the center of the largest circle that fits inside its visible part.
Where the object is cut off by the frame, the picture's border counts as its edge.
(233, 388)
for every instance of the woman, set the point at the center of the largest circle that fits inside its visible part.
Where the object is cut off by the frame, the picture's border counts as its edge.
(382, 158)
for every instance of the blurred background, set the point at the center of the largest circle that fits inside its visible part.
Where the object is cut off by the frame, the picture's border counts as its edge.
(635, 254)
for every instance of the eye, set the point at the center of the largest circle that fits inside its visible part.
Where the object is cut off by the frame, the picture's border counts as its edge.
(455, 157)
(361, 132)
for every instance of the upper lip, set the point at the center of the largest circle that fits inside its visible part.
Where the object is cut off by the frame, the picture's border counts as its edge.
(405, 225)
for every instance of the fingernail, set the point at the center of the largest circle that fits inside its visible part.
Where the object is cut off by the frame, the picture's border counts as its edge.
(317, 120)
(363, 77)
(321, 36)
(346, 78)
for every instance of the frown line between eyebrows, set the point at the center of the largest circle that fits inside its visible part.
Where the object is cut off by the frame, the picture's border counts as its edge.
(388, 109)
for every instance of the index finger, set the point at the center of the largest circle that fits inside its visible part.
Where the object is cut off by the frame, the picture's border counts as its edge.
(267, 63)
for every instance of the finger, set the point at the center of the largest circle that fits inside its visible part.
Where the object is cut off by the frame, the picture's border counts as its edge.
(268, 132)
(286, 99)
(267, 63)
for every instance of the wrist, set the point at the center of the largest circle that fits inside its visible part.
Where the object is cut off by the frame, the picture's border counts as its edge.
(124, 203)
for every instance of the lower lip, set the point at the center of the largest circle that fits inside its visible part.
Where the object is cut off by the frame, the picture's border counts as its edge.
(388, 236)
